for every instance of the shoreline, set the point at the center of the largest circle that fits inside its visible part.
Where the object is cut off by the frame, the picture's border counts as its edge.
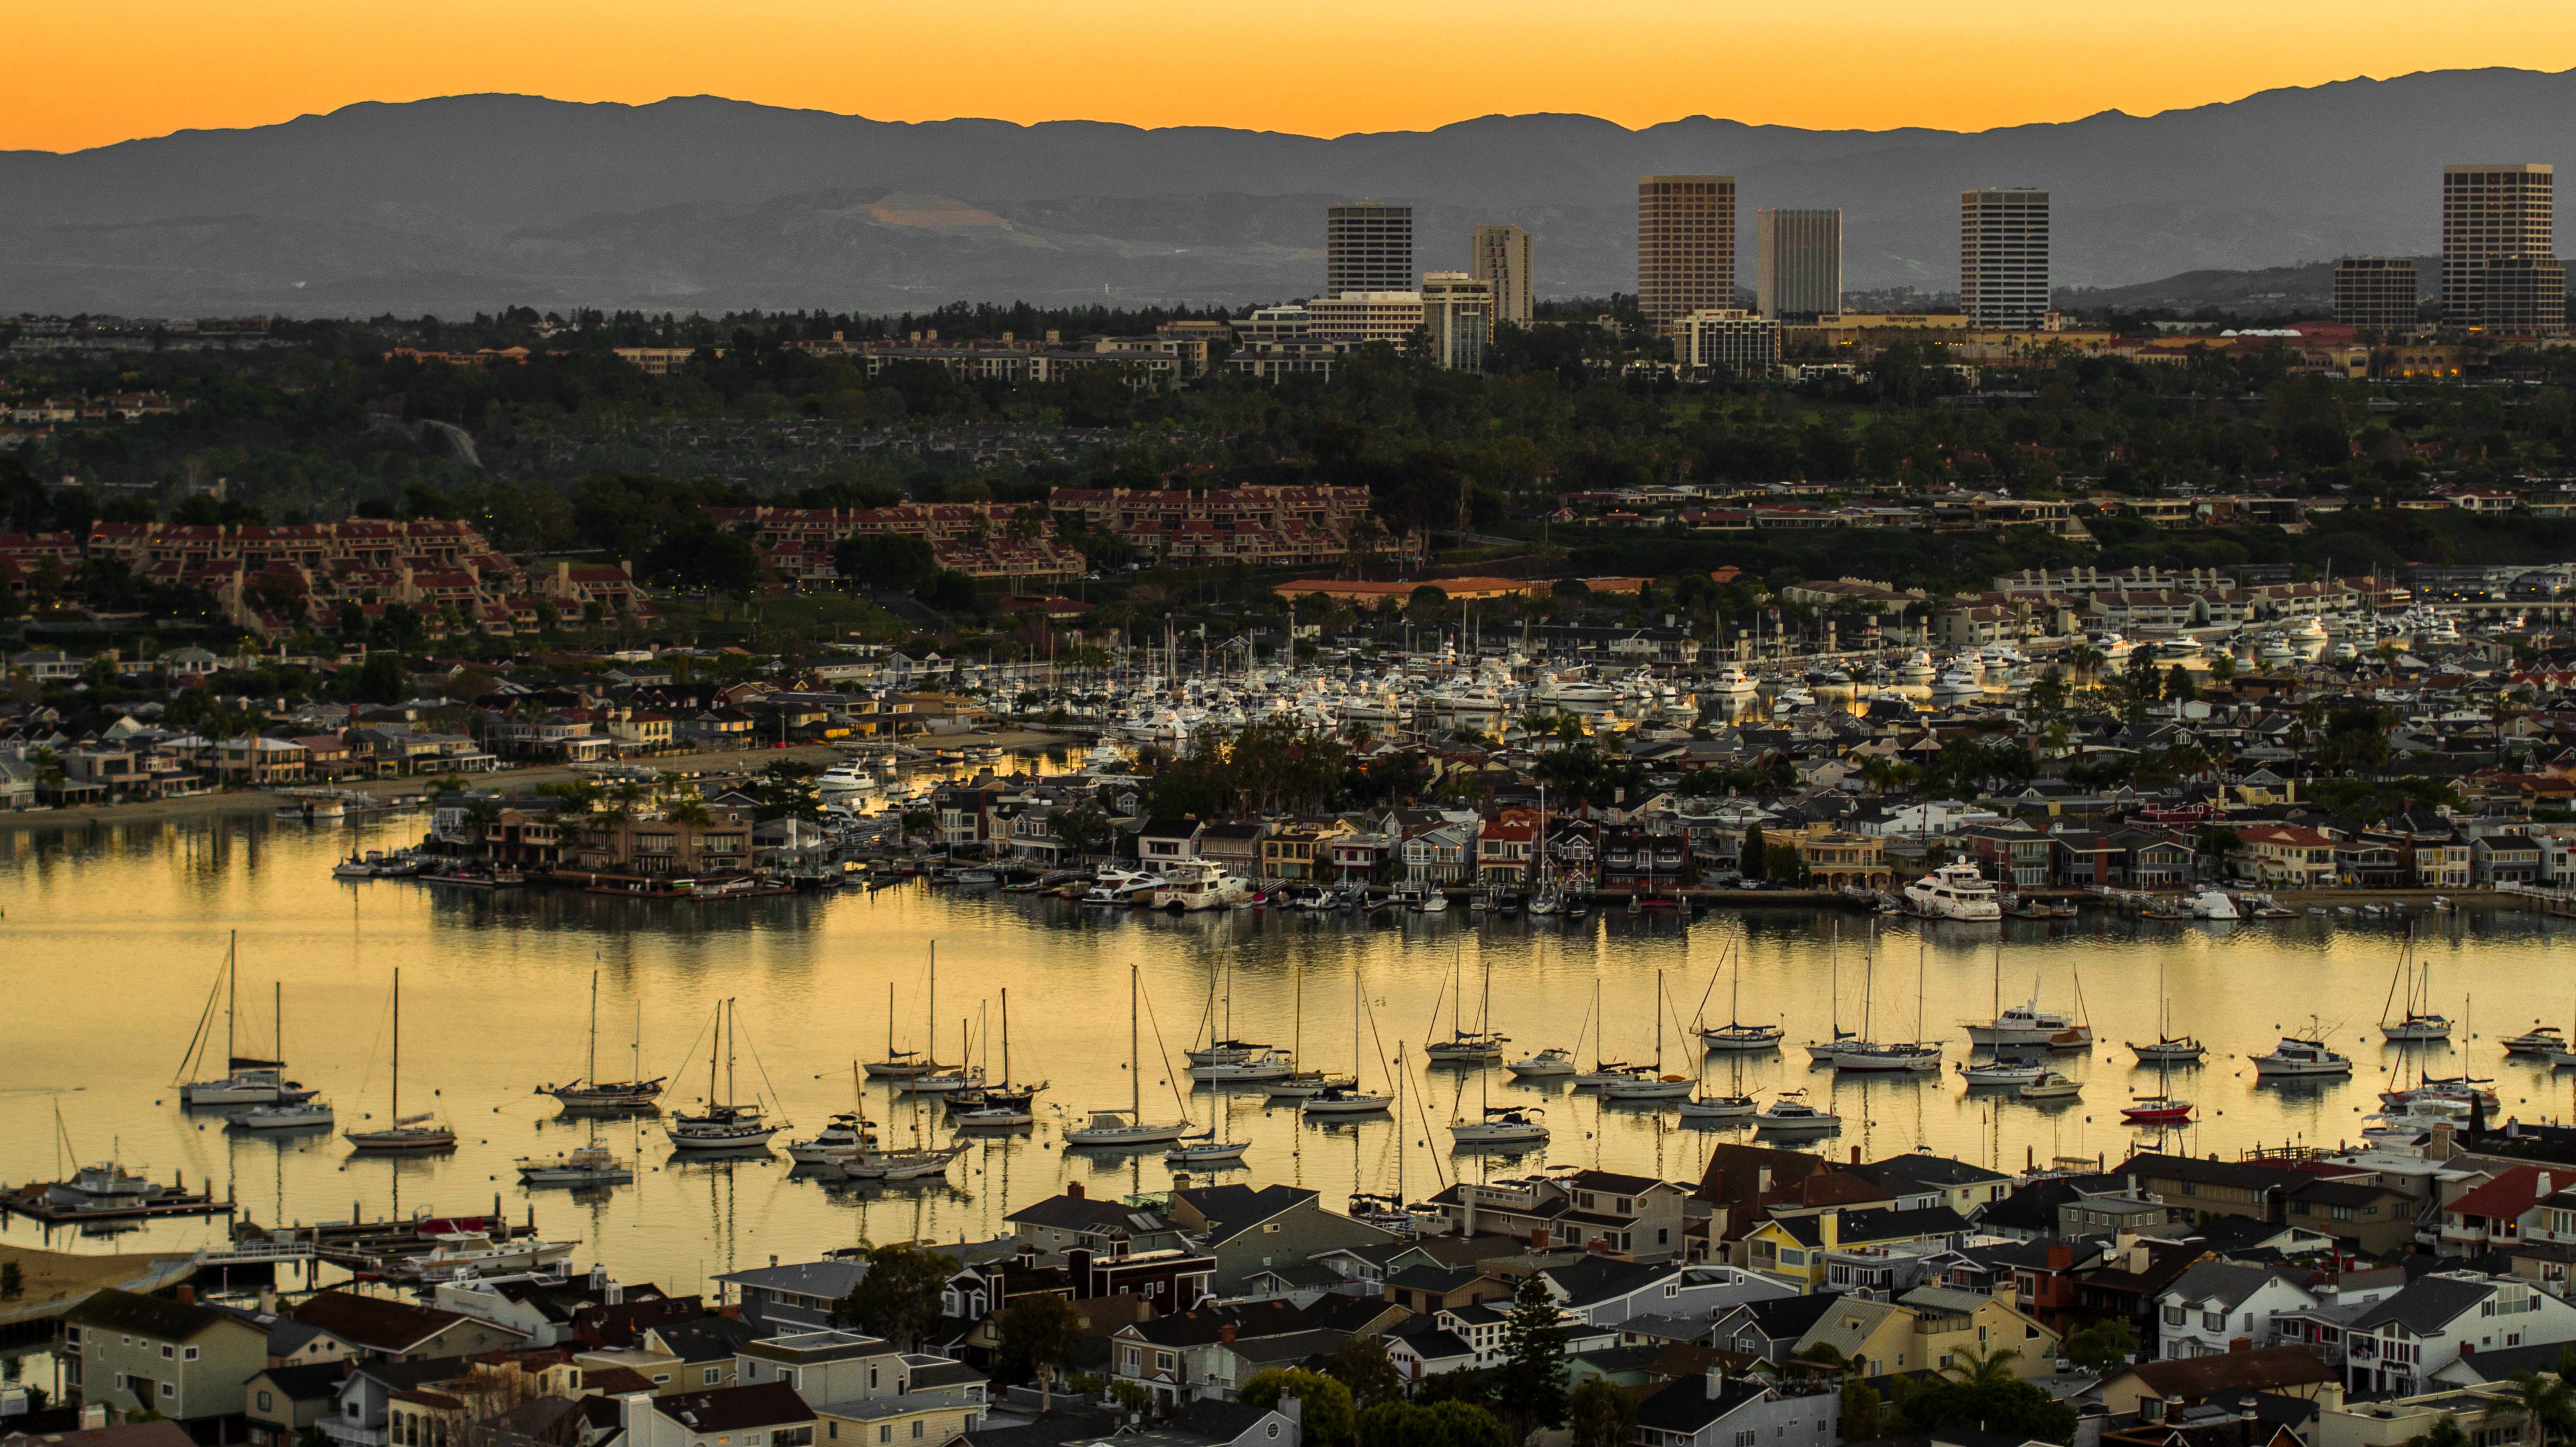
(265, 801)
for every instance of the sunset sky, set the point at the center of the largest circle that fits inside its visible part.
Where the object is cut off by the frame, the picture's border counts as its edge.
(91, 74)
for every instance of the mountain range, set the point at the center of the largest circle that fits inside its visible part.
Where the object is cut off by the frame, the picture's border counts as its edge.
(701, 203)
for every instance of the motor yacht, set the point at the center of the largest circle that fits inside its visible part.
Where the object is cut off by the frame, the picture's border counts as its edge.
(1197, 884)
(292, 1115)
(2297, 1057)
(475, 1253)
(2027, 1024)
(2539, 1040)
(2051, 1086)
(1790, 1114)
(589, 1166)
(1733, 682)
(838, 1140)
(103, 1187)
(2212, 904)
(1548, 1064)
(1955, 891)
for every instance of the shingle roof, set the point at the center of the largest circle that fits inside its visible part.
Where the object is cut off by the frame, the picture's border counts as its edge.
(373, 1322)
(734, 1409)
(1599, 1278)
(308, 1383)
(1787, 1318)
(2192, 1378)
(2426, 1305)
(806, 1278)
(153, 1316)
(1685, 1406)
(1934, 1170)
(2218, 1281)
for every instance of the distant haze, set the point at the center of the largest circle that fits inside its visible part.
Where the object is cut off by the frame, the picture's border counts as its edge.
(476, 202)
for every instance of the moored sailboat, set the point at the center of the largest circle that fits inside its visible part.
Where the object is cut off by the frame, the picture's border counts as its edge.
(409, 1133)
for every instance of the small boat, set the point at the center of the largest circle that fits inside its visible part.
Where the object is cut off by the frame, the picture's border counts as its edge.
(2212, 904)
(1120, 1129)
(1736, 1037)
(592, 1093)
(588, 1166)
(1888, 1057)
(1790, 1114)
(1649, 1086)
(1202, 1150)
(295, 1115)
(2051, 1086)
(2168, 1050)
(838, 1140)
(408, 1133)
(994, 1117)
(898, 1167)
(1549, 1064)
(2301, 1057)
(474, 1253)
(1500, 1125)
(721, 1128)
(2539, 1040)
(105, 1186)
(2002, 1072)
(1717, 1107)
(2156, 1110)
(1337, 1100)
(1268, 1065)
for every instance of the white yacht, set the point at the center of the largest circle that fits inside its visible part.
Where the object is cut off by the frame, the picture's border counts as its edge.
(1887, 1058)
(2213, 904)
(103, 1186)
(1197, 884)
(1917, 669)
(1504, 1125)
(847, 777)
(1549, 1064)
(838, 1140)
(1252, 1070)
(1733, 682)
(475, 1253)
(1792, 1115)
(2296, 1058)
(589, 1166)
(2027, 1024)
(290, 1115)
(1955, 891)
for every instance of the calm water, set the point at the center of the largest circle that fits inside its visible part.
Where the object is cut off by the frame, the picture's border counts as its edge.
(113, 937)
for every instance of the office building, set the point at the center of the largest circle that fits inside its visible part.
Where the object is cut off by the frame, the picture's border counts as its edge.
(2003, 259)
(1360, 317)
(1502, 260)
(1729, 339)
(2376, 292)
(1798, 264)
(2522, 296)
(1368, 246)
(1685, 246)
(2489, 212)
(1458, 318)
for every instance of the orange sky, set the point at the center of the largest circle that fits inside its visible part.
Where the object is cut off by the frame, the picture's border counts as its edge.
(87, 74)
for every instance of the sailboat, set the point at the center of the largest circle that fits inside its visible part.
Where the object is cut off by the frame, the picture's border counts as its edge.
(1735, 1035)
(1115, 1128)
(905, 1064)
(723, 1126)
(2027, 1024)
(246, 1080)
(2168, 1049)
(409, 1132)
(1389, 1213)
(1303, 1083)
(1821, 1052)
(1734, 1105)
(1479, 1046)
(1884, 1057)
(874, 1165)
(1654, 1084)
(2415, 1024)
(592, 1093)
(1350, 1099)
(1001, 1105)
(1250, 1068)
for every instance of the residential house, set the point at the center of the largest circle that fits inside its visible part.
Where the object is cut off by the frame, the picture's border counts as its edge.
(1165, 841)
(2398, 1344)
(2281, 857)
(1792, 1249)
(279, 1404)
(866, 1392)
(347, 1324)
(2216, 1303)
(799, 1296)
(1952, 1326)
(768, 1414)
(1235, 847)
(1249, 1230)
(1637, 1216)
(1173, 1357)
(2160, 1389)
(1715, 1410)
(133, 1353)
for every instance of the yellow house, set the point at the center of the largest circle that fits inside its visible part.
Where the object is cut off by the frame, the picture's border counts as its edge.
(1877, 1336)
(1951, 1326)
(1792, 1249)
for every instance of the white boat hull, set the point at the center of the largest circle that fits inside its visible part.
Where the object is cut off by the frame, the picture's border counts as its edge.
(1498, 1135)
(281, 1118)
(1346, 1105)
(756, 1138)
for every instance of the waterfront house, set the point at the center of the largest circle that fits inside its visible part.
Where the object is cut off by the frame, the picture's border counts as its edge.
(662, 845)
(135, 1353)
(769, 1414)
(346, 1324)
(280, 1403)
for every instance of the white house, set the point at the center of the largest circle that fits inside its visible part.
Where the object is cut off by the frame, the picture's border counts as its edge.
(2215, 1302)
(2397, 1345)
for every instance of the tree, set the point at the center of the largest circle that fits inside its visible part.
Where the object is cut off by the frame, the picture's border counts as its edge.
(885, 562)
(1440, 1424)
(1861, 1410)
(1602, 1413)
(1084, 828)
(381, 678)
(899, 1298)
(1749, 855)
(2102, 1346)
(1530, 1388)
(13, 1281)
(1038, 1334)
(2445, 1433)
(1361, 1364)
(1987, 1369)
(2012, 1406)
(1324, 1411)
(2539, 1405)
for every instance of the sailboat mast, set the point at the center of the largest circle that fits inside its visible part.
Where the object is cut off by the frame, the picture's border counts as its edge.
(715, 1047)
(934, 1006)
(592, 1074)
(232, 998)
(397, 1047)
(277, 1021)
(1006, 1035)
(1135, 1061)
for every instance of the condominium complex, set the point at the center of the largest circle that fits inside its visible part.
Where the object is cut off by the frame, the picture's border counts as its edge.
(1502, 259)
(2489, 213)
(1368, 246)
(2003, 259)
(1798, 266)
(1736, 341)
(1458, 318)
(2522, 295)
(1685, 246)
(2377, 292)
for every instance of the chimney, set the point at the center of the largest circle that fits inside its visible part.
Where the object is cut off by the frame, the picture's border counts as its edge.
(1762, 1180)
(2246, 1344)
(268, 1301)
(599, 1274)
(773, 1258)
(1855, 1159)
(1295, 1411)
(1714, 1383)
(617, 1293)
(1833, 1223)
(1073, 1189)
(185, 1294)
(1538, 1238)
(1180, 1180)
(1225, 1334)
(93, 1416)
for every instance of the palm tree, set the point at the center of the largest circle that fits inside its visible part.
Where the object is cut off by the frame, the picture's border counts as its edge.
(1979, 1371)
(2446, 1433)
(2538, 1404)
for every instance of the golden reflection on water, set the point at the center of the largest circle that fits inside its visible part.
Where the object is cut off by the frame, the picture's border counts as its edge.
(113, 936)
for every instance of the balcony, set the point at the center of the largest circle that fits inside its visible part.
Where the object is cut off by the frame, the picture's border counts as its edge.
(351, 1431)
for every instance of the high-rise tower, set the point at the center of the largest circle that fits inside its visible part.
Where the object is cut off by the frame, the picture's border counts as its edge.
(1685, 246)
(1798, 266)
(1368, 246)
(2003, 259)
(1502, 258)
(2490, 213)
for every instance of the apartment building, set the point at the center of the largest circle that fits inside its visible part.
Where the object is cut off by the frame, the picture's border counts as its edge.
(1728, 341)
(1502, 261)
(2490, 213)
(2376, 293)
(1368, 247)
(135, 1353)
(1685, 246)
(2004, 258)
(1457, 319)
(1798, 264)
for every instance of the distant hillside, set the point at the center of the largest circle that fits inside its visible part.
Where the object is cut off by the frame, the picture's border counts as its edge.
(479, 201)
(2308, 287)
